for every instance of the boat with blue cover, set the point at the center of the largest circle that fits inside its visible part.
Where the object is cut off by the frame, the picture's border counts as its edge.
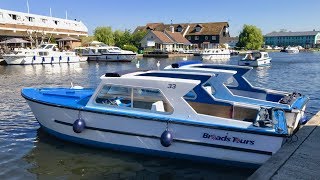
(180, 113)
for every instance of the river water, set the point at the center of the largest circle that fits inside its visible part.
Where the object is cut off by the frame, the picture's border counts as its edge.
(29, 153)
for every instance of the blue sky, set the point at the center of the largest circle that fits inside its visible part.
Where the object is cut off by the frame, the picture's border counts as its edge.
(268, 15)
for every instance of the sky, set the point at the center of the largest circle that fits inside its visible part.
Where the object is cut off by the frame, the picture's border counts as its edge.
(268, 15)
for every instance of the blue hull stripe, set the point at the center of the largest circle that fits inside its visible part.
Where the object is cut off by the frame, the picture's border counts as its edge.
(147, 151)
(154, 119)
(175, 140)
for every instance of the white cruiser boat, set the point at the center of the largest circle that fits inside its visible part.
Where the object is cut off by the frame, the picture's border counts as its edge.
(215, 54)
(255, 59)
(292, 50)
(45, 54)
(186, 112)
(106, 53)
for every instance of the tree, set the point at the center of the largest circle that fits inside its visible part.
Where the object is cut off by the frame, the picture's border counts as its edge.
(137, 37)
(118, 37)
(250, 37)
(104, 34)
(87, 40)
(126, 38)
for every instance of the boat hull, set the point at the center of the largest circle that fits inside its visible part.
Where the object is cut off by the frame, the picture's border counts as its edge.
(114, 57)
(142, 135)
(215, 56)
(27, 60)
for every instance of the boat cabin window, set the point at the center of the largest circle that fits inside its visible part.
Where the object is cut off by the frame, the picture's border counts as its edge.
(210, 89)
(42, 46)
(49, 47)
(190, 95)
(43, 53)
(265, 56)
(231, 82)
(133, 97)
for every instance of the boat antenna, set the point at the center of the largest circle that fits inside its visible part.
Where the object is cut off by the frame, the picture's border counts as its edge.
(28, 7)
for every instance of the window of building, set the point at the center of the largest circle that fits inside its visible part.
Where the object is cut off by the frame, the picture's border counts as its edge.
(13, 16)
(56, 22)
(206, 37)
(214, 38)
(198, 29)
(134, 97)
(196, 38)
(179, 29)
(189, 38)
(31, 19)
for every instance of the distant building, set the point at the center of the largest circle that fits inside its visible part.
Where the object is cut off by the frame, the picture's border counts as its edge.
(304, 39)
(200, 35)
(165, 41)
(38, 28)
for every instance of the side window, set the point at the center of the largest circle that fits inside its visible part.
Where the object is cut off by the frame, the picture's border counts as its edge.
(209, 88)
(190, 95)
(232, 82)
(134, 97)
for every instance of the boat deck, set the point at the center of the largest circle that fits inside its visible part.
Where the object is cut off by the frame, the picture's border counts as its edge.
(297, 159)
(61, 96)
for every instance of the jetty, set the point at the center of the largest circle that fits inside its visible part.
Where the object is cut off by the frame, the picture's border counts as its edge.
(299, 158)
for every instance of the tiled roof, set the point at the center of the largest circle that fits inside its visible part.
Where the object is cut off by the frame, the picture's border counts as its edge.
(302, 33)
(164, 38)
(68, 39)
(211, 28)
(177, 37)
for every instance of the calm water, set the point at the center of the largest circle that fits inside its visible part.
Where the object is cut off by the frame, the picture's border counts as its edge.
(29, 153)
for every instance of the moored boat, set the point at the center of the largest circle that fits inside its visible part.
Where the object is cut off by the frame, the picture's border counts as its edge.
(106, 53)
(45, 54)
(215, 54)
(173, 113)
(292, 50)
(255, 59)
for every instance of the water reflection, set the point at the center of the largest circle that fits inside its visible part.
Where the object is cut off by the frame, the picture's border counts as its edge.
(52, 158)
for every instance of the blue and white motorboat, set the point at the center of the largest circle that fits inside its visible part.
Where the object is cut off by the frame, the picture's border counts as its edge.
(186, 112)
(255, 59)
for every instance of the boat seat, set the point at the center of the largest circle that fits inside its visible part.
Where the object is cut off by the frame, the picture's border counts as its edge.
(158, 106)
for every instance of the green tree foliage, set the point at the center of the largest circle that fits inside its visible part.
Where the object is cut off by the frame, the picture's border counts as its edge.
(123, 39)
(130, 48)
(104, 34)
(137, 37)
(118, 38)
(250, 38)
(87, 40)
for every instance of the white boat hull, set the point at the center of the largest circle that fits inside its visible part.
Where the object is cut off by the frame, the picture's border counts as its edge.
(215, 56)
(113, 57)
(292, 51)
(197, 142)
(255, 63)
(26, 60)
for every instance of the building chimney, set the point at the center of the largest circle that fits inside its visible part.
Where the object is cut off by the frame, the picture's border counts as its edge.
(171, 29)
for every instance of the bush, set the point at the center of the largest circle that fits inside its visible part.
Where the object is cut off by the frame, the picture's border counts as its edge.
(130, 48)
